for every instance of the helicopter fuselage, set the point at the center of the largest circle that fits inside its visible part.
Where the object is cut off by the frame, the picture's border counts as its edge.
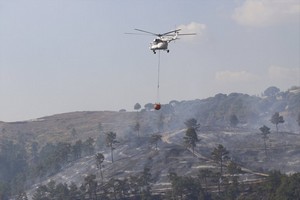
(159, 44)
(163, 39)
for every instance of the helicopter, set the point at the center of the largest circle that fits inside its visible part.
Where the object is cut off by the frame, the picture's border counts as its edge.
(163, 39)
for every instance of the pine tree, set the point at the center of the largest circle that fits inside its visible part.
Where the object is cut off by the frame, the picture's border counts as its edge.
(90, 185)
(99, 161)
(220, 154)
(265, 131)
(277, 119)
(137, 106)
(191, 138)
(233, 120)
(74, 193)
(110, 141)
(192, 123)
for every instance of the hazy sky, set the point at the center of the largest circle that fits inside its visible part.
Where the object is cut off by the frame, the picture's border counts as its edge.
(61, 56)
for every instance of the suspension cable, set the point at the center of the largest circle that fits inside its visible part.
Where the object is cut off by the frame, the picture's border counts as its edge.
(158, 76)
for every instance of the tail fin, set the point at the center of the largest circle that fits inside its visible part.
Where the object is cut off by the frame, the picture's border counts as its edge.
(175, 37)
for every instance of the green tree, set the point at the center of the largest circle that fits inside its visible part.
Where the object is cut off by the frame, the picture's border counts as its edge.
(34, 151)
(133, 182)
(233, 190)
(77, 150)
(271, 91)
(265, 131)
(51, 189)
(89, 147)
(62, 191)
(13, 164)
(177, 189)
(149, 106)
(48, 161)
(233, 168)
(137, 128)
(41, 193)
(110, 142)
(289, 188)
(204, 175)
(63, 152)
(277, 119)
(90, 185)
(100, 140)
(145, 184)
(73, 132)
(273, 182)
(74, 193)
(191, 138)
(111, 189)
(233, 120)
(220, 154)
(99, 161)
(185, 187)
(192, 123)
(121, 188)
(137, 107)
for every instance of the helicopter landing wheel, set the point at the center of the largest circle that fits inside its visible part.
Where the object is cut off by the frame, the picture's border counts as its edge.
(154, 52)
(168, 51)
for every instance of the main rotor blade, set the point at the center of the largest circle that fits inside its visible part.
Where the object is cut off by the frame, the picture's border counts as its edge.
(187, 33)
(174, 31)
(146, 32)
(163, 34)
(137, 34)
(181, 34)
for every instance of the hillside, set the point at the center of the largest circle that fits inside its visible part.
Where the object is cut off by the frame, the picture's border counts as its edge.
(133, 152)
(246, 148)
(213, 112)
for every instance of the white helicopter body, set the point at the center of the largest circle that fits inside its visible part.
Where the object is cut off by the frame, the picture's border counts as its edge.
(161, 43)
(162, 40)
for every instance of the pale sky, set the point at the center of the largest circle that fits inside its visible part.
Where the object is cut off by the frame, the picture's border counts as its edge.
(60, 56)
